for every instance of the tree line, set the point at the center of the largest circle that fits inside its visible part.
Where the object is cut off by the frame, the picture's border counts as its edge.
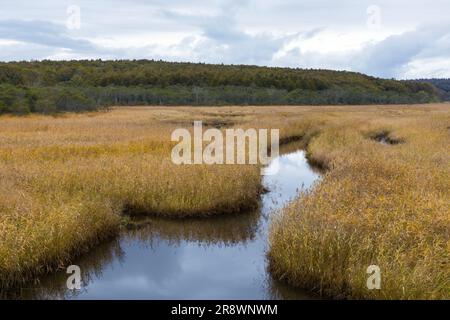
(443, 86)
(82, 85)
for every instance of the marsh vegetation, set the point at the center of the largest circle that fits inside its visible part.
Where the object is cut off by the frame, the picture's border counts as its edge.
(217, 257)
(69, 182)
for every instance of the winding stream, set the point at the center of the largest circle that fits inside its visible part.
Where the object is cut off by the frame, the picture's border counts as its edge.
(213, 258)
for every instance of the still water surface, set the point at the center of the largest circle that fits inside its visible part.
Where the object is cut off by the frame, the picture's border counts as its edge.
(213, 258)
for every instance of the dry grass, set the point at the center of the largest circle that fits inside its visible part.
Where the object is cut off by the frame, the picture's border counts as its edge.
(65, 183)
(385, 205)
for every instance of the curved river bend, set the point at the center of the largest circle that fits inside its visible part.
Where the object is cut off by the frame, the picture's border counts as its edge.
(213, 258)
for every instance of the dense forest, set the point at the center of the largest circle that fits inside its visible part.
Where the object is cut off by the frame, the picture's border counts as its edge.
(443, 86)
(53, 86)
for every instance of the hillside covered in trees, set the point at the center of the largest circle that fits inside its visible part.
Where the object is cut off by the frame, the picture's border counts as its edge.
(443, 86)
(53, 86)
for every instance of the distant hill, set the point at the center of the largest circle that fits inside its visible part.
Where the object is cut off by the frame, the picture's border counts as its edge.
(443, 86)
(52, 86)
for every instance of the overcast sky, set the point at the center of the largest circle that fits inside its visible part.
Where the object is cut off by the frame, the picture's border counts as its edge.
(385, 38)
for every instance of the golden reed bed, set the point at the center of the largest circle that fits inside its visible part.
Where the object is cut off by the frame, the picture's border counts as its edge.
(66, 182)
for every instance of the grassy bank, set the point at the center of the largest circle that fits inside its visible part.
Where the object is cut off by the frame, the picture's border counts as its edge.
(378, 204)
(66, 182)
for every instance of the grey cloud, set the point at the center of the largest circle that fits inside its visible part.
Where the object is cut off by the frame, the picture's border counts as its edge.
(21, 51)
(388, 57)
(247, 32)
(225, 42)
(42, 33)
(43, 39)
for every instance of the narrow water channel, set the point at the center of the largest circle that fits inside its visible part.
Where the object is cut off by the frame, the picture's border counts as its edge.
(213, 258)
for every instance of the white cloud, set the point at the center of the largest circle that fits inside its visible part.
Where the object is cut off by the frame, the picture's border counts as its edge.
(308, 34)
